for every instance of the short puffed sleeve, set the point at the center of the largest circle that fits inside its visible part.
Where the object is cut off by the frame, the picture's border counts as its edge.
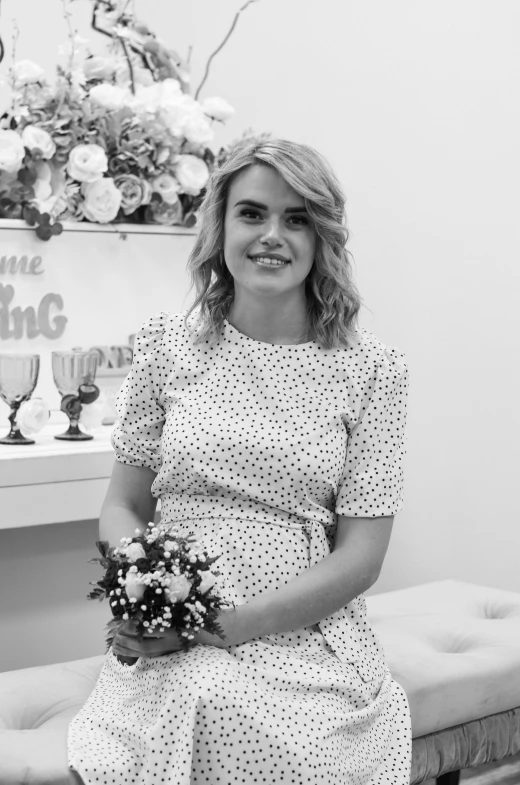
(136, 437)
(373, 478)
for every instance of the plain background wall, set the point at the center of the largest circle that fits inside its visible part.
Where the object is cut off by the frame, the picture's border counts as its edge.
(416, 106)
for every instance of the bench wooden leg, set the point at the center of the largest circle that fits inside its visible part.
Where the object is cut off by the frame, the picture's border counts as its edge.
(451, 778)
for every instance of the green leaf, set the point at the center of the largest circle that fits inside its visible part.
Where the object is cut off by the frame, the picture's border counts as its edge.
(27, 176)
(43, 232)
(103, 547)
(31, 215)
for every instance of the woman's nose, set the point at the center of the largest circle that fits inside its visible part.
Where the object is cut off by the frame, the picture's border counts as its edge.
(271, 234)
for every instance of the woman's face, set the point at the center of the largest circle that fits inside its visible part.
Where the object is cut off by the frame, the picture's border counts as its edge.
(269, 239)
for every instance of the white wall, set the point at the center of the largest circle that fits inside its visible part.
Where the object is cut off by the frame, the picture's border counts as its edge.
(416, 106)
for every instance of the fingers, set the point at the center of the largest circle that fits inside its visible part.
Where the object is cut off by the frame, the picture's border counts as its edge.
(128, 644)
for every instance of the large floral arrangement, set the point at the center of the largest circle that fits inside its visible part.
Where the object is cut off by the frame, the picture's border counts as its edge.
(114, 138)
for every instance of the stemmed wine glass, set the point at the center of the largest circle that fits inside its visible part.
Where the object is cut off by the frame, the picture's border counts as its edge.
(18, 377)
(74, 373)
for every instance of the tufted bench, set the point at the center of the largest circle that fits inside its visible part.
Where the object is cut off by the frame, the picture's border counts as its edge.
(453, 646)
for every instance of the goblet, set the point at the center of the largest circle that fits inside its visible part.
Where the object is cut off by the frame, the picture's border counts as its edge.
(18, 377)
(74, 373)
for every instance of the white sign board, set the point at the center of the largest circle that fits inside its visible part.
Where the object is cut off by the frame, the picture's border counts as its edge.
(91, 286)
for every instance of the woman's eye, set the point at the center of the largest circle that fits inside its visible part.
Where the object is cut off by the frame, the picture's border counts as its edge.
(249, 213)
(299, 220)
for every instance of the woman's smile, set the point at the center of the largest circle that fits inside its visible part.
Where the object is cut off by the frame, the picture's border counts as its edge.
(269, 261)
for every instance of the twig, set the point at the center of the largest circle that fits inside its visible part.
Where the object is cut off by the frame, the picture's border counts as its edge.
(16, 33)
(130, 67)
(72, 33)
(114, 36)
(2, 50)
(208, 64)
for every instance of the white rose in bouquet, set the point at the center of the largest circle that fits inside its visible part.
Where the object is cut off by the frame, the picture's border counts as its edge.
(217, 108)
(207, 582)
(34, 137)
(167, 186)
(134, 589)
(87, 163)
(134, 551)
(102, 200)
(178, 588)
(32, 416)
(26, 72)
(197, 129)
(192, 174)
(109, 96)
(149, 99)
(12, 151)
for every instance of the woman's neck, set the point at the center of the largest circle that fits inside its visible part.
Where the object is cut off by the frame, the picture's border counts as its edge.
(271, 323)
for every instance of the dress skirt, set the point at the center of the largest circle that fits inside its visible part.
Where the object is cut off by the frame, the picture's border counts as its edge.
(279, 709)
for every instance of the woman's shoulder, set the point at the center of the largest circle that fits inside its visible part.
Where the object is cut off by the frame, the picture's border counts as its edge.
(378, 356)
(172, 331)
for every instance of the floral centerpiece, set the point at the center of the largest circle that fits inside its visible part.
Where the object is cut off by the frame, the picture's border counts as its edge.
(115, 138)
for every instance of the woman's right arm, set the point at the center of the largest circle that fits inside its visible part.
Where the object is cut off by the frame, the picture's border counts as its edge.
(129, 504)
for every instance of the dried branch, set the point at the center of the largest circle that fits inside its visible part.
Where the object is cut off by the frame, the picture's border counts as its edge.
(2, 50)
(72, 33)
(208, 64)
(130, 67)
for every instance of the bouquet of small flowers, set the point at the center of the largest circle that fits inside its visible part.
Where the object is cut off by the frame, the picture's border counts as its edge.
(160, 580)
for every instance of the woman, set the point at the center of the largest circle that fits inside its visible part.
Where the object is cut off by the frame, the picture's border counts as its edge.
(274, 428)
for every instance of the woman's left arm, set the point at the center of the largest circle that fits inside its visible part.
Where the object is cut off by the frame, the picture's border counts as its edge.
(352, 567)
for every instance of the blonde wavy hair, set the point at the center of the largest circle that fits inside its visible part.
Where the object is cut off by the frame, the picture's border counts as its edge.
(332, 297)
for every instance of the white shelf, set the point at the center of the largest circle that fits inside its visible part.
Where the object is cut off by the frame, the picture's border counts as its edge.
(53, 481)
(110, 228)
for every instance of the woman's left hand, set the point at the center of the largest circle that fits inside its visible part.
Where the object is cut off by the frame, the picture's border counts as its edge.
(127, 644)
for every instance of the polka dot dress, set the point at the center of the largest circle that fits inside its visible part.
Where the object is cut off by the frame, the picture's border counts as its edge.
(258, 448)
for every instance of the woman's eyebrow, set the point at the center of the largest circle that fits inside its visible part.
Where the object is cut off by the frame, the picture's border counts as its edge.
(260, 206)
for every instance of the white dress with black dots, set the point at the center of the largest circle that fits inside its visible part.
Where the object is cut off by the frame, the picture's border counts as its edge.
(257, 448)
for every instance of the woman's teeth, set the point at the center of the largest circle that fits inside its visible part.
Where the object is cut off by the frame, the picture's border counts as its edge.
(266, 261)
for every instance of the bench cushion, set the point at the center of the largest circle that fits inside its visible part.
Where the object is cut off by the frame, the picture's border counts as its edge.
(453, 646)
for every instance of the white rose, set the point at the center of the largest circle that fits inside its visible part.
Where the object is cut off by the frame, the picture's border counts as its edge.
(32, 416)
(12, 151)
(167, 186)
(217, 108)
(33, 137)
(178, 588)
(87, 162)
(26, 72)
(102, 200)
(99, 68)
(109, 96)
(135, 551)
(92, 414)
(207, 582)
(158, 95)
(197, 130)
(192, 174)
(134, 589)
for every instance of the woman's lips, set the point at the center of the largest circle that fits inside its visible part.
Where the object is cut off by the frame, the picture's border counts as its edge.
(269, 262)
